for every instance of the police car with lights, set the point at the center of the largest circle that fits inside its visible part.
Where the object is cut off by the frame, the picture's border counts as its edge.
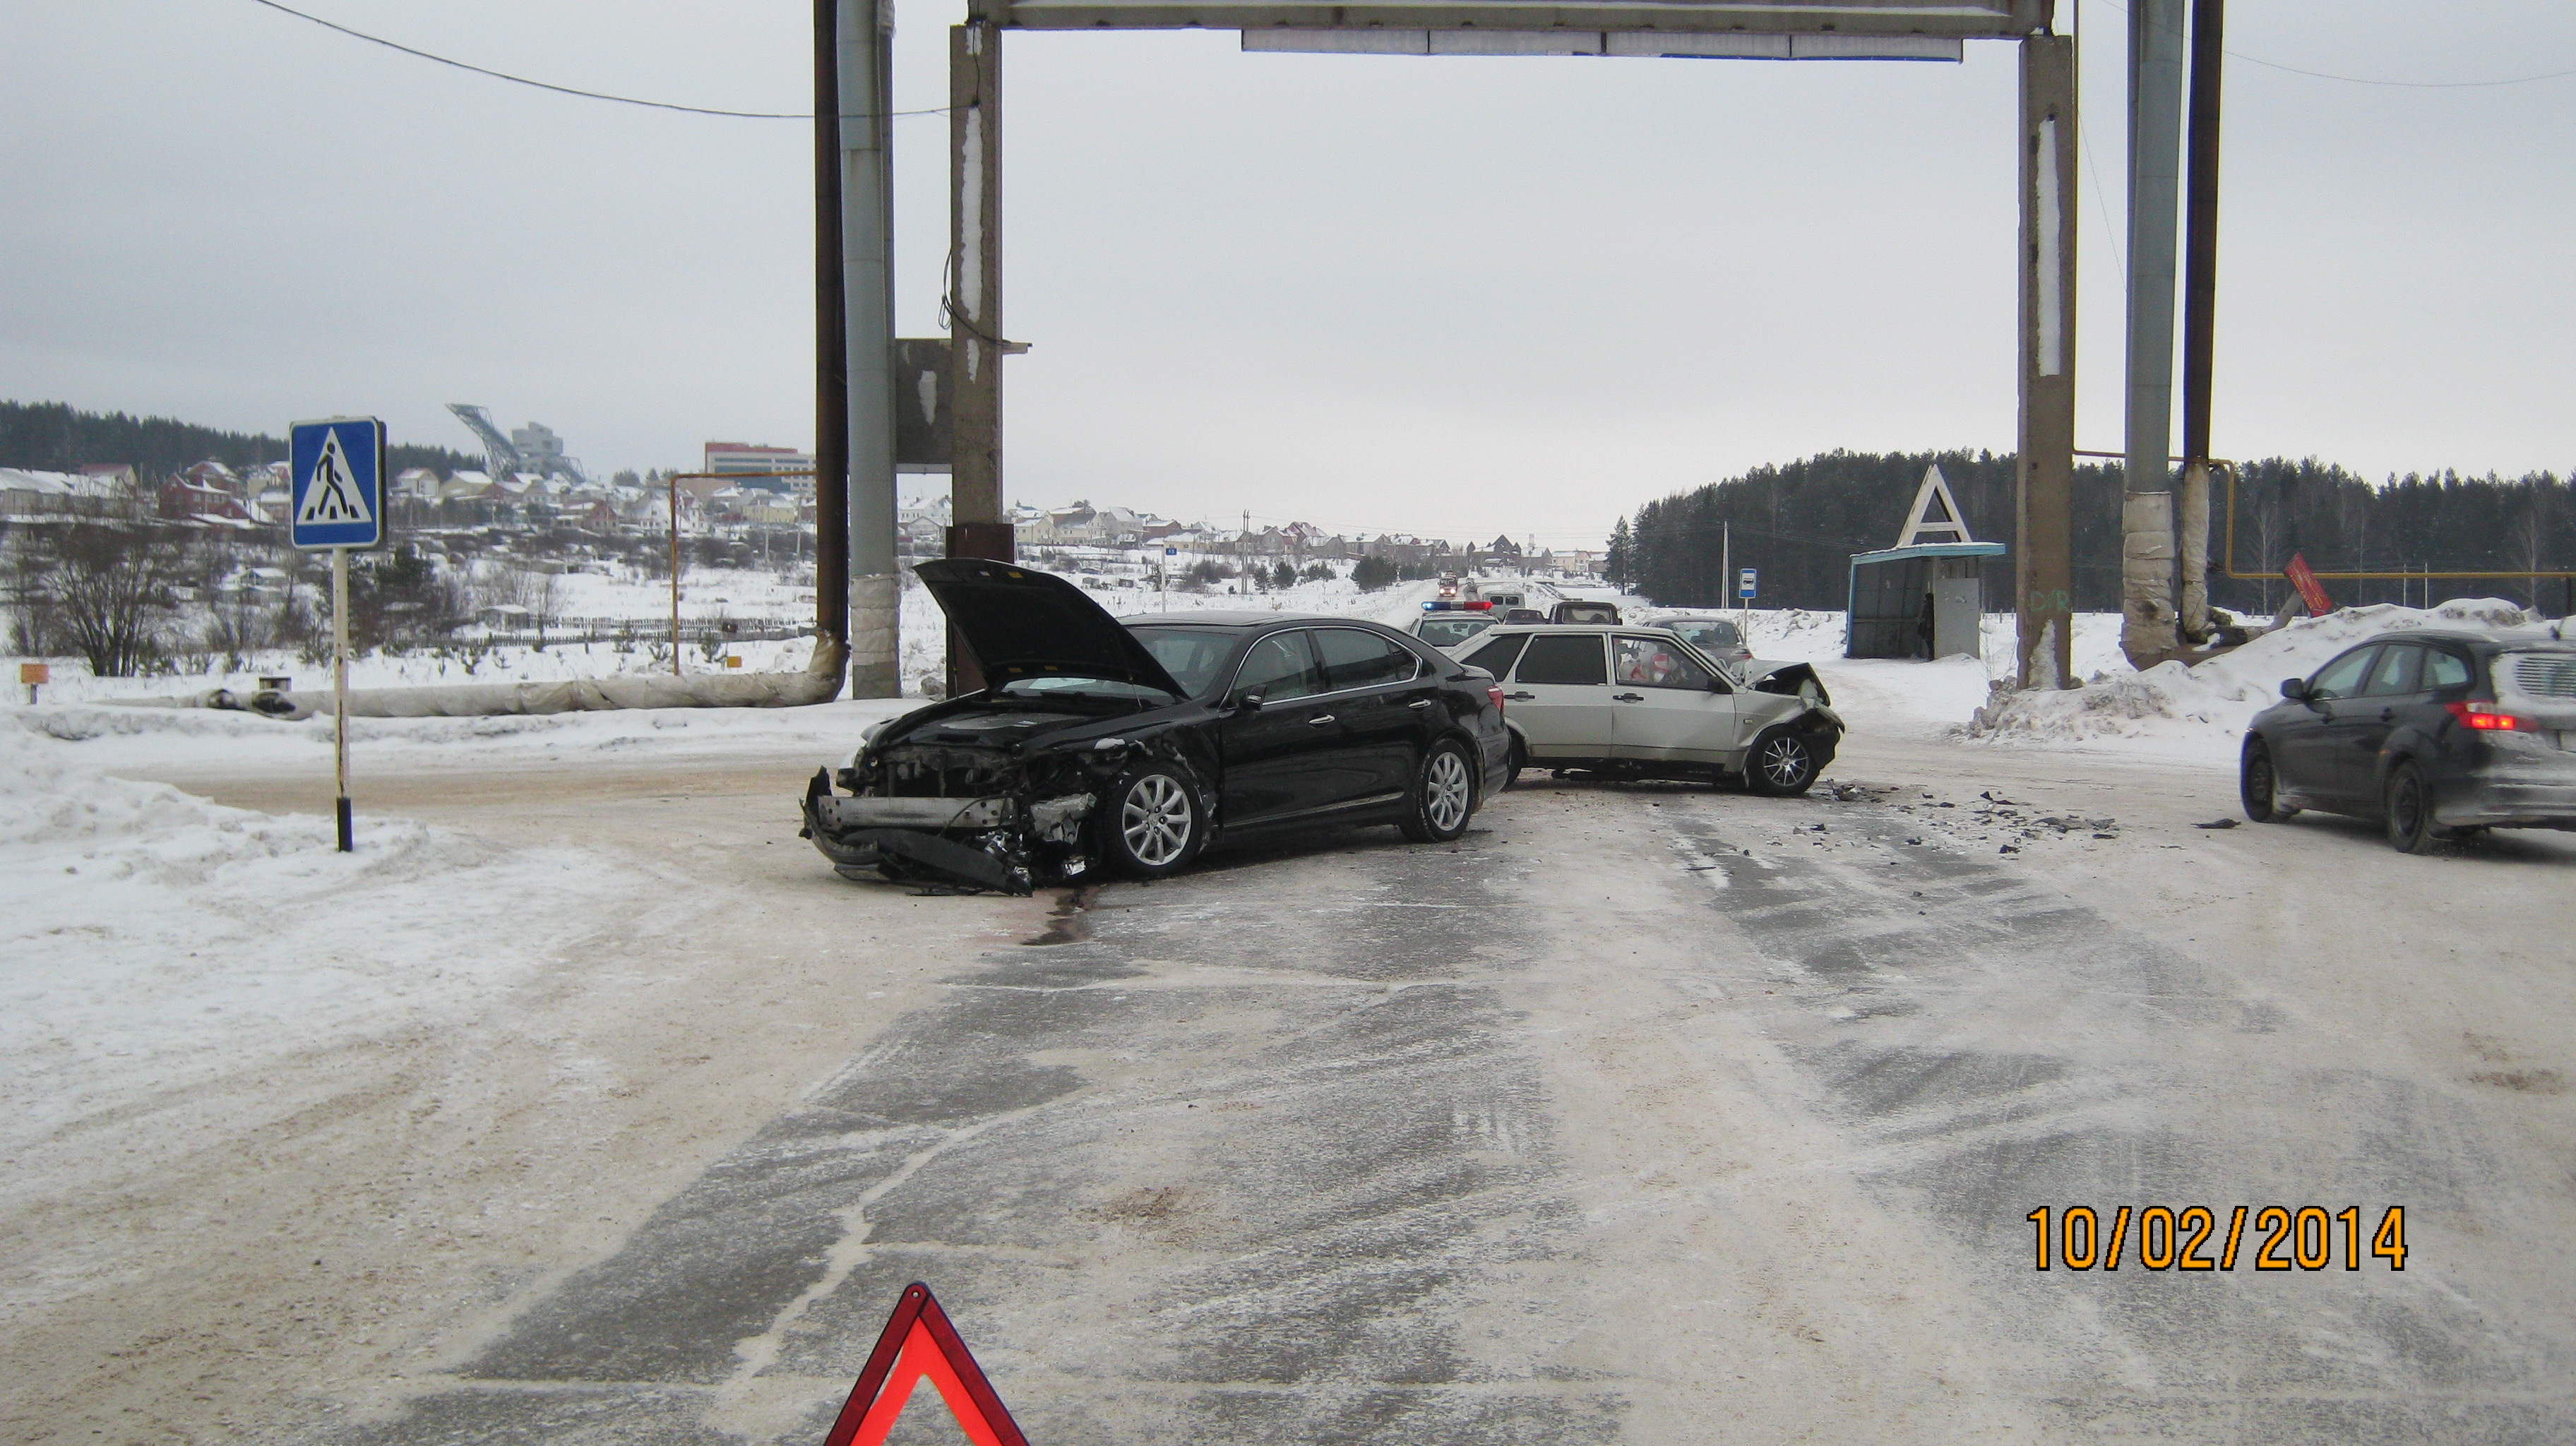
(1446, 623)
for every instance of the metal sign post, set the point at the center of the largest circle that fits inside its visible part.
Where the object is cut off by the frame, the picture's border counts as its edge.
(337, 467)
(1744, 585)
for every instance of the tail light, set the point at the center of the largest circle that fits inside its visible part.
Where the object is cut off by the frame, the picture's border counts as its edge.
(2487, 718)
(1495, 692)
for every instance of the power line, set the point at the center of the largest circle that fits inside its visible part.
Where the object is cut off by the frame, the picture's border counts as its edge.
(2407, 84)
(2367, 80)
(568, 90)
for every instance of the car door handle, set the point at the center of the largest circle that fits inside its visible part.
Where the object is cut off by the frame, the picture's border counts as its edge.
(2387, 715)
(1319, 720)
(1520, 697)
(1627, 697)
(1422, 703)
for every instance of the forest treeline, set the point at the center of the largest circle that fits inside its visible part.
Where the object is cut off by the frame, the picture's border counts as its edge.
(1801, 522)
(54, 437)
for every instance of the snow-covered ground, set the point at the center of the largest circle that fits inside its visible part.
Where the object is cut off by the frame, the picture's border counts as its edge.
(151, 942)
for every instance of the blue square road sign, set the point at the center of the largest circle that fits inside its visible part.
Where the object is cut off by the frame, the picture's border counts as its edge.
(337, 469)
(1744, 585)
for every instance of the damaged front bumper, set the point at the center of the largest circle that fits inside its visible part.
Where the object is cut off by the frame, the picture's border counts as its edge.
(1002, 842)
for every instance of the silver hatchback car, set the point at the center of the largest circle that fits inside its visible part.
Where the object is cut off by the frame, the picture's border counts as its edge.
(1642, 702)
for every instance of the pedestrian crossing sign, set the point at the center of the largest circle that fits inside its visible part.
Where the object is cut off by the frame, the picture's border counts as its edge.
(337, 468)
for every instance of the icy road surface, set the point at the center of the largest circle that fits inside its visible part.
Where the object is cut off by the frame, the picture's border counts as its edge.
(1647, 1114)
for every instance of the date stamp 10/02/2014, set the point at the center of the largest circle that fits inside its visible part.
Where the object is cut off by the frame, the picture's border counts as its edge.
(2077, 1237)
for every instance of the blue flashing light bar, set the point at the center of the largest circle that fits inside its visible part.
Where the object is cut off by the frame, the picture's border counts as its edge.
(1457, 607)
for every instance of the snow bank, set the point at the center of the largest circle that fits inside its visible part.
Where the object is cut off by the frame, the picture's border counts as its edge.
(153, 943)
(2201, 710)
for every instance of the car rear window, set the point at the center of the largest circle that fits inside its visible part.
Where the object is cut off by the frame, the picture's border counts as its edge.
(1356, 659)
(2537, 675)
(1564, 659)
(2444, 670)
(1450, 632)
(1498, 656)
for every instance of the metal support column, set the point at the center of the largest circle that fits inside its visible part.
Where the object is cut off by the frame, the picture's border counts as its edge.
(2200, 311)
(2146, 512)
(831, 357)
(867, 278)
(980, 527)
(2044, 474)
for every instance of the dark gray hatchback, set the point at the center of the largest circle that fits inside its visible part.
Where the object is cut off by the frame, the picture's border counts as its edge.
(2437, 734)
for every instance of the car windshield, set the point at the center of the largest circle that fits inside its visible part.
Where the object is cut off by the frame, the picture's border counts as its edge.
(1450, 632)
(1068, 686)
(1193, 656)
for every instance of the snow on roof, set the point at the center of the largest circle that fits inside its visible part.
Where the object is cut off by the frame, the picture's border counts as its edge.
(52, 484)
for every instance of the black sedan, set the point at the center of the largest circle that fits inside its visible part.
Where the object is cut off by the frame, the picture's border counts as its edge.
(1096, 745)
(2436, 734)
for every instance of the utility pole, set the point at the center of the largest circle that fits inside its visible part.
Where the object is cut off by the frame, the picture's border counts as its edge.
(831, 361)
(864, 32)
(978, 524)
(2146, 510)
(2200, 311)
(1726, 560)
(2044, 465)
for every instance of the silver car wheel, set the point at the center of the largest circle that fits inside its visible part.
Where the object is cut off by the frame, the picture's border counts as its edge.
(1447, 791)
(1784, 761)
(1155, 820)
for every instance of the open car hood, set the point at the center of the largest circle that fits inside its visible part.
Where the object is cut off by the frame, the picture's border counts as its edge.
(1019, 622)
(1792, 679)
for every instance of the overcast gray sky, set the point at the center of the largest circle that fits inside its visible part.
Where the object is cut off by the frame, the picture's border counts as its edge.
(1387, 293)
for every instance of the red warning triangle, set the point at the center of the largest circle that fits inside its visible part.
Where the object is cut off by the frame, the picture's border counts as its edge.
(918, 1341)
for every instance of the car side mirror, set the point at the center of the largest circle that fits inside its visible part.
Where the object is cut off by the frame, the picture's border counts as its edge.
(1248, 702)
(2295, 689)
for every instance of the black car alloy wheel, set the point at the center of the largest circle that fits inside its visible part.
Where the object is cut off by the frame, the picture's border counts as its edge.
(2259, 785)
(2410, 809)
(1444, 795)
(1780, 764)
(1150, 827)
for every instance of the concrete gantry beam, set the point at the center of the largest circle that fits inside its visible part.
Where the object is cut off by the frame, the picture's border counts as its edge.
(1964, 19)
(2044, 512)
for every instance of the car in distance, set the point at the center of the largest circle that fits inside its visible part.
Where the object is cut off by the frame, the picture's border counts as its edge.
(1095, 746)
(1638, 702)
(2436, 734)
(1444, 625)
(1576, 610)
(1716, 637)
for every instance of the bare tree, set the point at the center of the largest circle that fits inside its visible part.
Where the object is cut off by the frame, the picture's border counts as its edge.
(532, 588)
(2530, 538)
(106, 590)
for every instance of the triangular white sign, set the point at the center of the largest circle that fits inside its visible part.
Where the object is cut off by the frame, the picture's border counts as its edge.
(1935, 516)
(332, 494)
